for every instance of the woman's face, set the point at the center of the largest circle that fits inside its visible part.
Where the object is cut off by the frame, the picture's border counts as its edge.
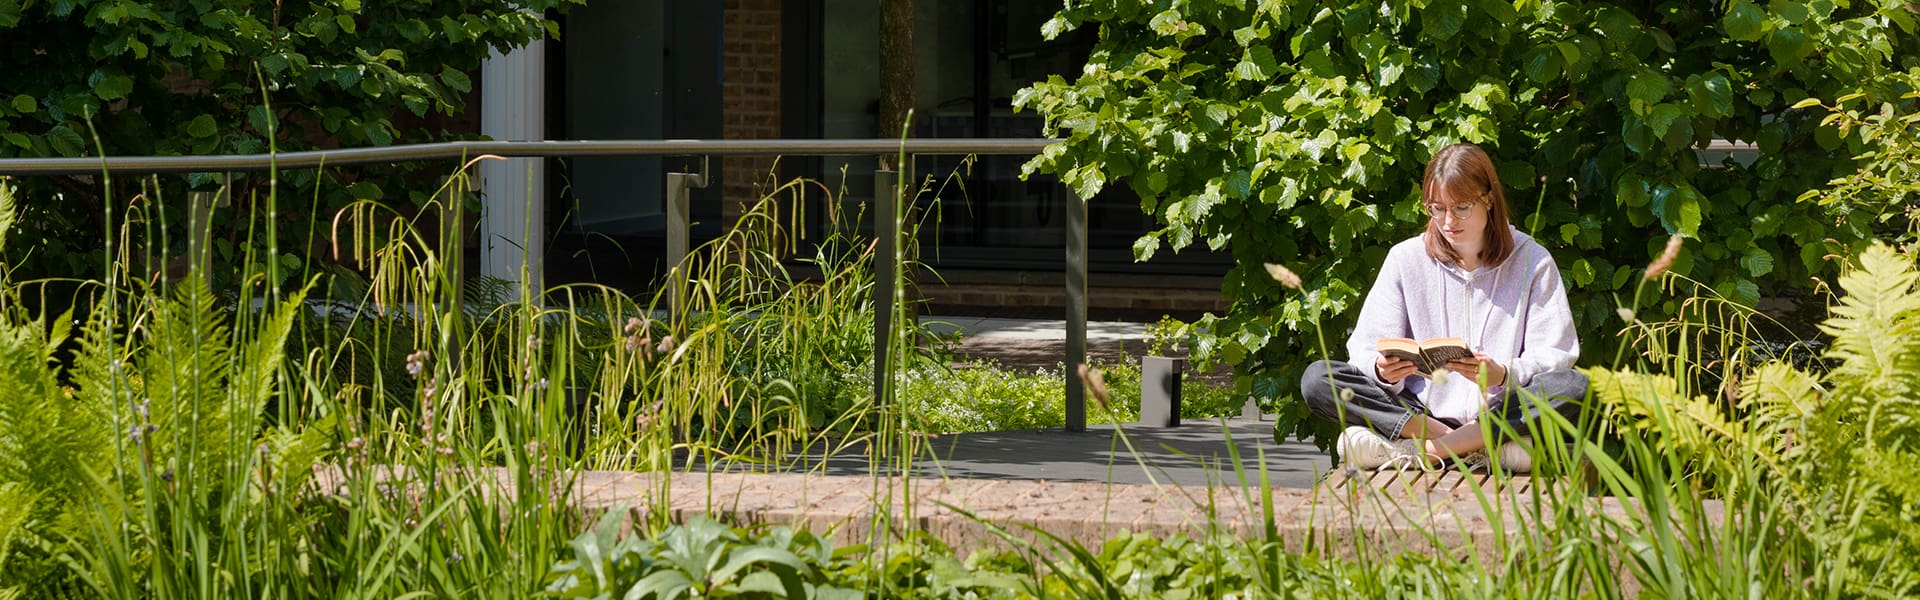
(1462, 222)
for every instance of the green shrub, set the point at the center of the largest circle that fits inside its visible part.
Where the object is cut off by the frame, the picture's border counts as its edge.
(1295, 133)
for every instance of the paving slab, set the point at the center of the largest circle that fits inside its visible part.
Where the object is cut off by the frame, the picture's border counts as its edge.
(1196, 453)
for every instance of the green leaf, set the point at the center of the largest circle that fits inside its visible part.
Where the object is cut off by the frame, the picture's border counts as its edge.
(1791, 11)
(1789, 46)
(1630, 190)
(1744, 21)
(202, 126)
(456, 80)
(18, 139)
(1648, 86)
(1543, 65)
(1391, 68)
(25, 104)
(1662, 118)
(1443, 19)
(113, 87)
(1683, 206)
(1423, 76)
(1618, 24)
(1145, 247)
(1711, 95)
(1757, 262)
(66, 141)
(1166, 23)
(1582, 273)
(1637, 135)
(9, 14)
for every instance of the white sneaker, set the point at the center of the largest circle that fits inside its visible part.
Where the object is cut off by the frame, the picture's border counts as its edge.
(1361, 448)
(1514, 457)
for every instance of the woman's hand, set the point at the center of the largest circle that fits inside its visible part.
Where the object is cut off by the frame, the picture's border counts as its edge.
(1471, 368)
(1392, 369)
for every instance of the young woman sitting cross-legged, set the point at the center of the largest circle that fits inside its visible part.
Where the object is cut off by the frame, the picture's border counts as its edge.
(1471, 275)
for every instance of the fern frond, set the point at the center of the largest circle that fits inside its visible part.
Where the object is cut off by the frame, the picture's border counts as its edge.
(1691, 427)
(186, 364)
(1876, 325)
(1780, 399)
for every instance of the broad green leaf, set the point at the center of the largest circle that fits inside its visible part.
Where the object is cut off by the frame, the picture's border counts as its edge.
(1637, 135)
(113, 87)
(1166, 23)
(1827, 137)
(1744, 21)
(25, 104)
(17, 139)
(1443, 19)
(1582, 273)
(1424, 75)
(1484, 95)
(1789, 46)
(1757, 262)
(1618, 24)
(1662, 118)
(1648, 86)
(1543, 65)
(1711, 95)
(1391, 68)
(1901, 18)
(258, 118)
(1630, 190)
(1791, 11)
(9, 13)
(456, 80)
(1145, 247)
(1684, 208)
(202, 126)
(66, 141)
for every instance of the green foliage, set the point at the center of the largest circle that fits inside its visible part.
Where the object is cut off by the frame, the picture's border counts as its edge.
(121, 77)
(1887, 184)
(1296, 132)
(984, 396)
(701, 559)
(1851, 435)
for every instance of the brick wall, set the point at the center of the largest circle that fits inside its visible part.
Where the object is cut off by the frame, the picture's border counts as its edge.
(749, 95)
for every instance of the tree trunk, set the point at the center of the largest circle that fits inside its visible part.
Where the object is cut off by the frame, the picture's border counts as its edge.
(896, 67)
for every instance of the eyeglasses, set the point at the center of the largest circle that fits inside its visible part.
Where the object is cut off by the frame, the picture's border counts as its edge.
(1460, 211)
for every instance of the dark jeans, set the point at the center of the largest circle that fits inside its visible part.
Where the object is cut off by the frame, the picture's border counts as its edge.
(1372, 406)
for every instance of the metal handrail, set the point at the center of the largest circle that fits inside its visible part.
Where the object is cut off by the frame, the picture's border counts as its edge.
(457, 150)
(677, 192)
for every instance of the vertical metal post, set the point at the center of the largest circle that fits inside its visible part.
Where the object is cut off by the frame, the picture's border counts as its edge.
(886, 229)
(679, 190)
(1076, 311)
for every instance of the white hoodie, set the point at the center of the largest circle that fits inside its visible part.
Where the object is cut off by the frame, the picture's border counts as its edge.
(1516, 314)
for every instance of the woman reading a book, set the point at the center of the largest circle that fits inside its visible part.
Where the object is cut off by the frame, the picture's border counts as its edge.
(1472, 276)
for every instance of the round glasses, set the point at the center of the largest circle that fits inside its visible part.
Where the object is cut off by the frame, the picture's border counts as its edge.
(1460, 211)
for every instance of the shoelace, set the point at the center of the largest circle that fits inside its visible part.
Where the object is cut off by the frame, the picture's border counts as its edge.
(1402, 462)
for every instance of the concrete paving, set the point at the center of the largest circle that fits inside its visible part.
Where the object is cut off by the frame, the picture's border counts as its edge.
(1193, 454)
(1030, 329)
(1197, 453)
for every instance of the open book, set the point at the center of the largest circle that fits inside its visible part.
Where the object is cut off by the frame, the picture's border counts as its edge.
(1428, 355)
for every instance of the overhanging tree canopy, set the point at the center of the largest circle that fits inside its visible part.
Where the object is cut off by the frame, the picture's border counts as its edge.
(1294, 132)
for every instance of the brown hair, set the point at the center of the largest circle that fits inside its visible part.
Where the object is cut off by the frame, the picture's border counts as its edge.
(1464, 171)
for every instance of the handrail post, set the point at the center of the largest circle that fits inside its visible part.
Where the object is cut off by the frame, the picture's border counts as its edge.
(1076, 311)
(886, 231)
(679, 191)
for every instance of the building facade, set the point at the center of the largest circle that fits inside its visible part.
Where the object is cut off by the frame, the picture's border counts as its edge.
(809, 69)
